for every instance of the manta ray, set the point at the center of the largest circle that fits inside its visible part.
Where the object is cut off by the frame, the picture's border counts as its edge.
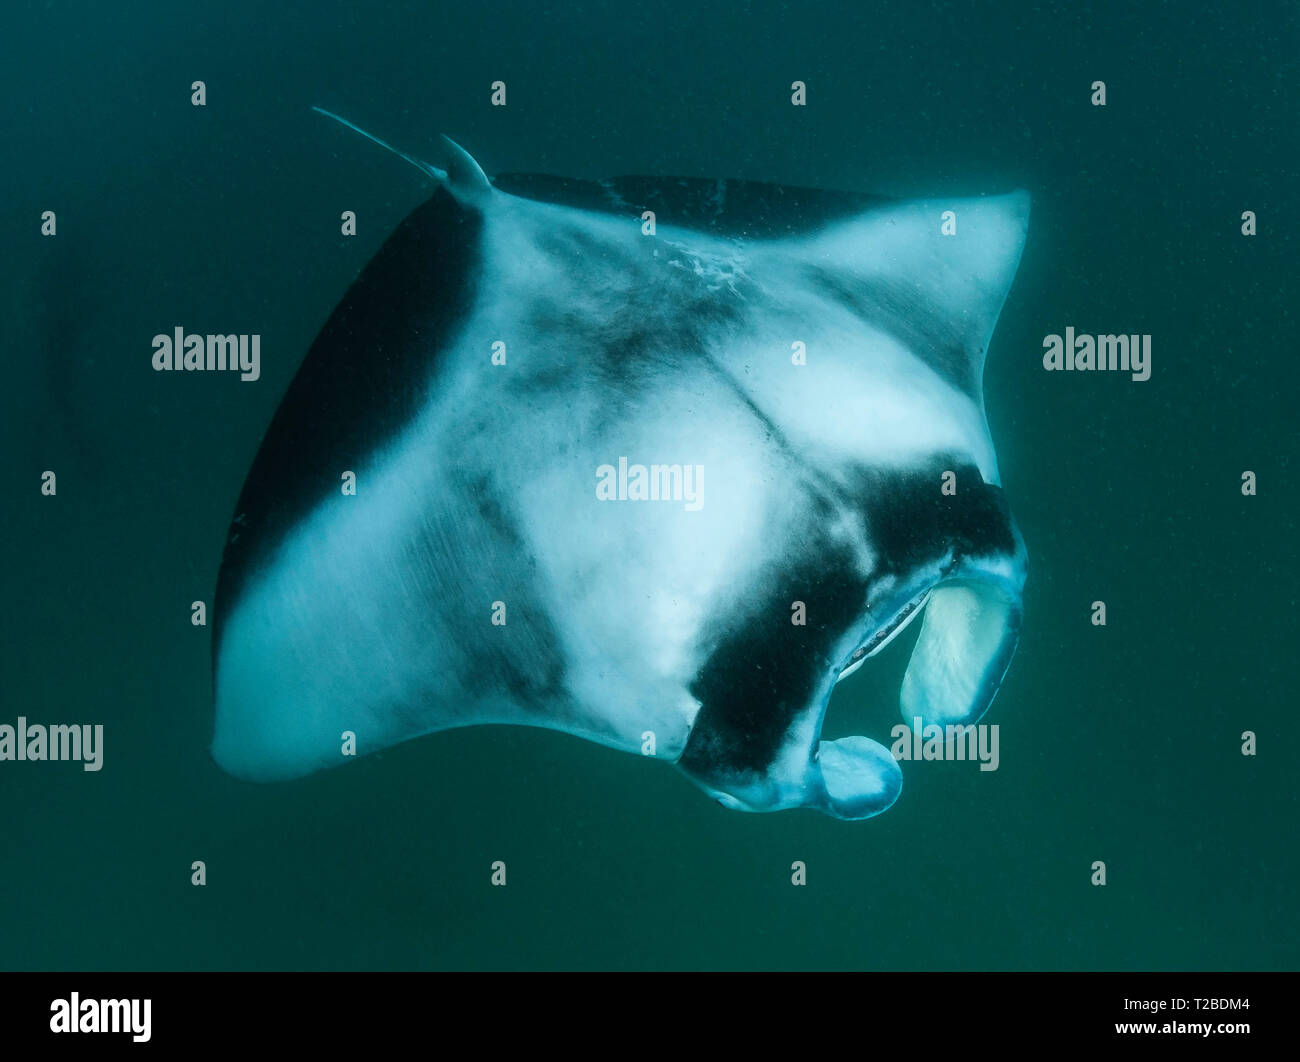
(815, 358)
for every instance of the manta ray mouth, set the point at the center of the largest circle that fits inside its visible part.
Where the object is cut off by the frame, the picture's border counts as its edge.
(968, 635)
(886, 634)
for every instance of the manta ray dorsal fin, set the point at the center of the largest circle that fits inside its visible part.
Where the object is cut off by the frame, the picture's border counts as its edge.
(463, 177)
(937, 270)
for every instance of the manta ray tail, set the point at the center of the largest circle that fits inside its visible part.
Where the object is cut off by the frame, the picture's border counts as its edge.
(463, 177)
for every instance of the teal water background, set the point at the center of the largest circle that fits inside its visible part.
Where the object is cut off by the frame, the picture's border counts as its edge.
(1119, 744)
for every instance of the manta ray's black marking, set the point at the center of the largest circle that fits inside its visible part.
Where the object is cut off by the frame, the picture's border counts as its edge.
(756, 683)
(914, 523)
(759, 679)
(360, 383)
(509, 341)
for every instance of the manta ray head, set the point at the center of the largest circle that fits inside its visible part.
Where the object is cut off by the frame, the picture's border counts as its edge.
(654, 462)
(903, 512)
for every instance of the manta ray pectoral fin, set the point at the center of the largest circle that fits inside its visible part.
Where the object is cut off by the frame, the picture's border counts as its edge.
(932, 272)
(462, 177)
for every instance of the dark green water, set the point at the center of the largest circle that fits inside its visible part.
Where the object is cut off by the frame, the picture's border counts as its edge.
(1120, 743)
